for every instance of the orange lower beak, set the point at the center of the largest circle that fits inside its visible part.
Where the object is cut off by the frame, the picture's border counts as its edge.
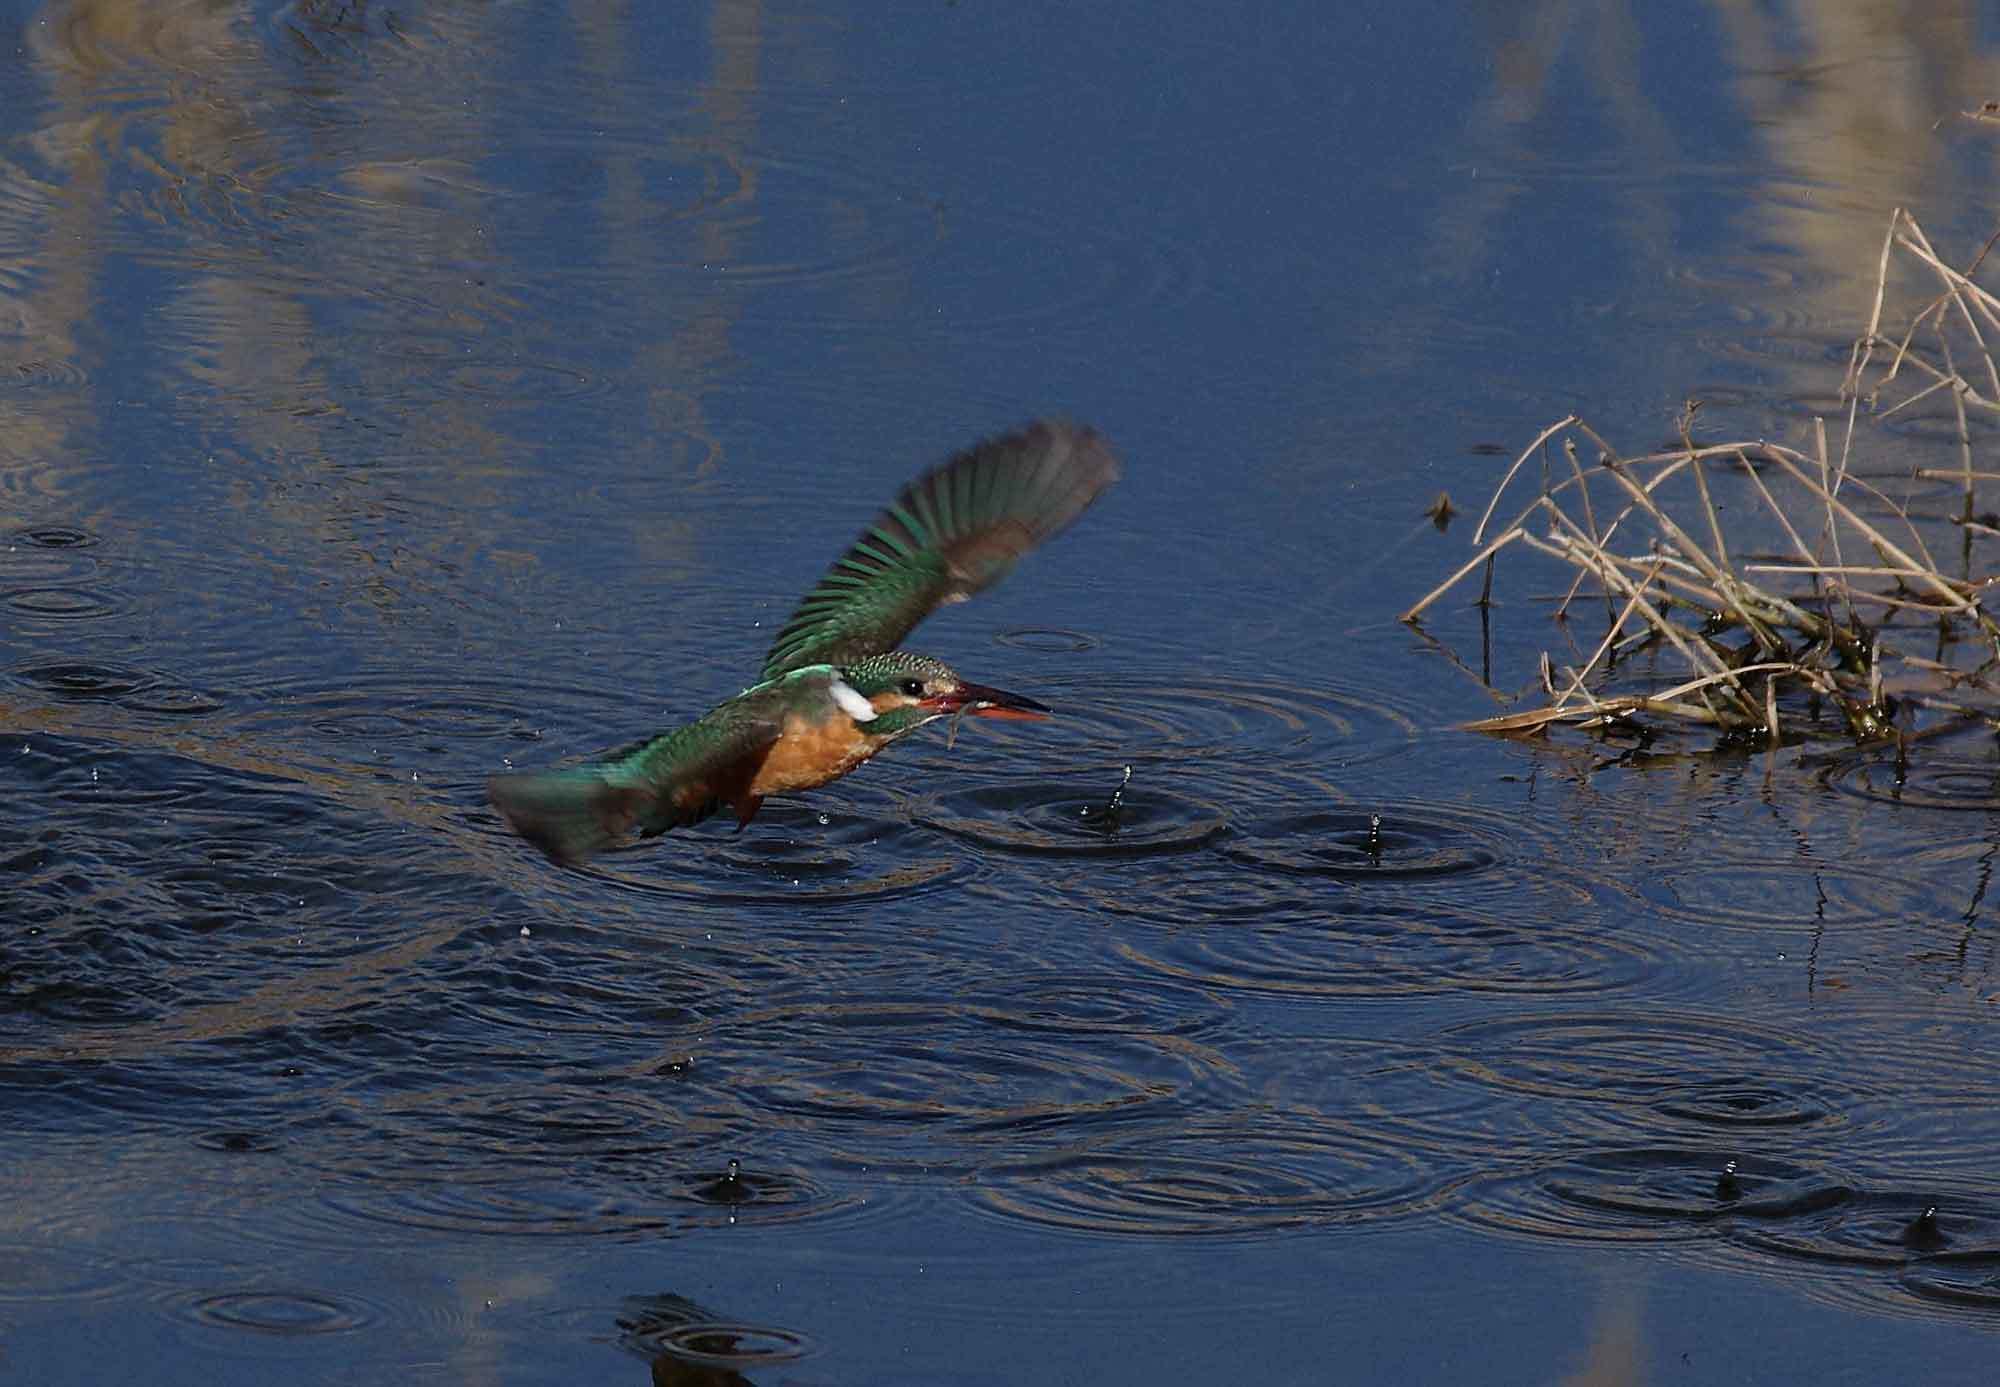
(984, 702)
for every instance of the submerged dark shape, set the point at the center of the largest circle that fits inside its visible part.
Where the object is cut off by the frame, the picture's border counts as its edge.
(727, 1188)
(834, 689)
(690, 1345)
(1922, 1233)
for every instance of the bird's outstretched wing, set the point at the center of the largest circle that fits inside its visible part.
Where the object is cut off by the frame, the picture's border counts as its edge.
(954, 530)
(669, 781)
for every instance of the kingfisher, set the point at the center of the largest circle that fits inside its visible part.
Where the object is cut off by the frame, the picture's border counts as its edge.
(835, 689)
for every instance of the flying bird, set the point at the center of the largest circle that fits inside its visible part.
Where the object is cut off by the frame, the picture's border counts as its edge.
(835, 689)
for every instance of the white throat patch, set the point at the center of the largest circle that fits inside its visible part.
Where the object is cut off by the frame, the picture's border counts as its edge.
(851, 703)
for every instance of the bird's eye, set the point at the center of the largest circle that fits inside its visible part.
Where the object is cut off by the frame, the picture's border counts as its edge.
(914, 688)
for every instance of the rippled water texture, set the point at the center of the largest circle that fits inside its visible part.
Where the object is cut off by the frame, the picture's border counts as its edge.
(391, 396)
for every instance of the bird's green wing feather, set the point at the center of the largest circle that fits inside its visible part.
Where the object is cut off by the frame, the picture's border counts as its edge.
(669, 781)
(954, 530)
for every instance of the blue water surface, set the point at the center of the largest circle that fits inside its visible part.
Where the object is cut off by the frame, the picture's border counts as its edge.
(390, 396)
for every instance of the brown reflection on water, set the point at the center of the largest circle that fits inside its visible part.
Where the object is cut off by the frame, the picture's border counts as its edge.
(696, 347)
(50, 260)
(1617, 1343)
(287, 997)
(1848, 111)
(299, 239)
(1835, 88)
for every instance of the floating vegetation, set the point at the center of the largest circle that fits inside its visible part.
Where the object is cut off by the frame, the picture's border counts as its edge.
(1803, 614)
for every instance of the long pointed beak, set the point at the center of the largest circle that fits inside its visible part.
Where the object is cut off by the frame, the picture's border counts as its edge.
(984, 702)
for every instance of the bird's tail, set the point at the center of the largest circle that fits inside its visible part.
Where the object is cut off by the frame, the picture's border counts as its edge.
(568, 814)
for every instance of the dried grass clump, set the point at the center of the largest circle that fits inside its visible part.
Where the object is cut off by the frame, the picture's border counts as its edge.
(1840, 565)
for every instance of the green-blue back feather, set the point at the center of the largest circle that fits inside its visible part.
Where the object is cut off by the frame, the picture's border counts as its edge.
(956, 529)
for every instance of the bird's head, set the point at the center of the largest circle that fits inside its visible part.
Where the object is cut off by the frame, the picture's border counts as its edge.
(905, 691)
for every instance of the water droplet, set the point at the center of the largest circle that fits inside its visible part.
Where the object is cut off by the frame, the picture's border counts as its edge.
(524, 931)
(1108, 817)
(825, 819)
(728, 1188)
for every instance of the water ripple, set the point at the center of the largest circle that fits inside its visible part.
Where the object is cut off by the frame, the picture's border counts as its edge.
(1902, 1250)
(1081, 1006)
(35, 567)
(659, 1202)
(31, 1274)
(1651, 1195)
(54, 606)
(1241, 726)
(1786, 895)
(1934, 779)
(288, 1314)
(1090, 272)
(908, 1088)
(124, 686)
(1650, 1056)
(1242, 1174)
(391, 710)
(675, 1327)
(50, 577)
(1734, 1103)
(56, 537)
(83, 682)
(522, 382)
(238, 1142)
(1885, 1228)
(1049, 640)
(1403, 1094)
(1964, 1282)
(793, 857)
(1407, 901)
(1056, 820)
(1393, 844)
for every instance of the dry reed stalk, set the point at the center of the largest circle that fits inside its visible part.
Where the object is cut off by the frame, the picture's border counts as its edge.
(1752, 628)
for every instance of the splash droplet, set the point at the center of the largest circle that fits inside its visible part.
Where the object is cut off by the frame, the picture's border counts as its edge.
(1727, 1186)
